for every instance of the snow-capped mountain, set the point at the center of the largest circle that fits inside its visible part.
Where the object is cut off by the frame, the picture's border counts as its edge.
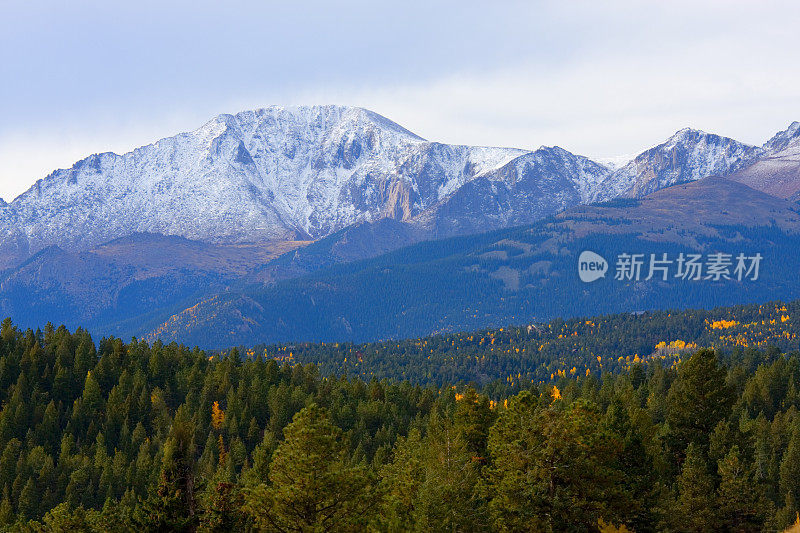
(788, 138)
(688, 155)
(270, 174)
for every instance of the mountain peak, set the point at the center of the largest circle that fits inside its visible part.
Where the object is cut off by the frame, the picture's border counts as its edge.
(783, 139)
(316, 116)
(686, 131)
(689, 154)
(684, 135)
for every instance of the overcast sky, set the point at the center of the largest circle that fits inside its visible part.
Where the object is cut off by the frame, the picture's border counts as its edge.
(597, 78)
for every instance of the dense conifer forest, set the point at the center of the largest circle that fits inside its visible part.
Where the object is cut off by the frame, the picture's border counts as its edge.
(610, 426)
(513, 357)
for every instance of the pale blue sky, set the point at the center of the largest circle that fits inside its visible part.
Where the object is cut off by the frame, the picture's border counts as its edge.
(598, 78)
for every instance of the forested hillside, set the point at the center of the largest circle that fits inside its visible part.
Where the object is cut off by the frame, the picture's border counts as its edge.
(513, 357)
(123, 437)
(512, 276)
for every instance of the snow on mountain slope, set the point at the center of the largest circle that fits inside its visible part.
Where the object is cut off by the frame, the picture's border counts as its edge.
(686, 156)
(616, 162)
(790, 137)
(777, 172)
(269, 174)
(528, 188)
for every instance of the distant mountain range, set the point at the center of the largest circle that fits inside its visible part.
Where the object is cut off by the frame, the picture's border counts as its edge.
(279, 174)
(138, 243)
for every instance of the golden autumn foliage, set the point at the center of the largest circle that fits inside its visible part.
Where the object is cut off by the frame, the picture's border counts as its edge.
(217, 416)
(568, 348)
(607, 527)
(794, 528)
(675, 346)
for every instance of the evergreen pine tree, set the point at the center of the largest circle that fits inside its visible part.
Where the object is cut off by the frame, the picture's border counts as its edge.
(790, 467)
(695, 509)
(474, 418)
(696, 402)
(553, 468)
(28, 505)
(448, 499)
(401, 480)
(172, 507)
(740, 500)
(313, 485)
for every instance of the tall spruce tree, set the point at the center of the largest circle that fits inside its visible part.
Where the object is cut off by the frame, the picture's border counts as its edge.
(173, 505)
(696, 402)
(695, 509)
(313, 484)
(740, 499)
(553, 468)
